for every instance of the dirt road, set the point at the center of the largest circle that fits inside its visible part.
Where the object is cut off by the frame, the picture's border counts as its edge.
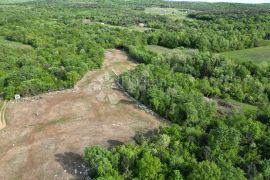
(46, 135)
(2, 115)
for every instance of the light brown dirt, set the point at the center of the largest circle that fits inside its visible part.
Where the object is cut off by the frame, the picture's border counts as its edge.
(45, 136)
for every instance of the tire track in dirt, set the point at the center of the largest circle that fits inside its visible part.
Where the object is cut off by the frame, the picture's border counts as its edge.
(3, 122)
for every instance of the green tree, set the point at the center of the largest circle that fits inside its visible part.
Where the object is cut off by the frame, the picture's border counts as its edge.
(9, 92)
(205, 170)
(102, 162)
(224, 142)
(149, 166)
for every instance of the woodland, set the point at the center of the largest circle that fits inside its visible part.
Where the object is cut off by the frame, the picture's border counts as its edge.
(218, 107)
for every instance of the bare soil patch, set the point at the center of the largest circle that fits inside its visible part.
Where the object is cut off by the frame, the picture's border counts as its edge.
(45, 135)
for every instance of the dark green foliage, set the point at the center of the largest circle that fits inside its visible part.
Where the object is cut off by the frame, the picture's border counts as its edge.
(206, 145)
(215, 31)
(173, 96)
(181, 152)
(205, 170)
(224, 142)
(220, 77)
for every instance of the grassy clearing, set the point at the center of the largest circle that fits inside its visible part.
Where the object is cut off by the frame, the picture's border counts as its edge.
(141, 29)
(227, 106)
(170, 12)
(15, 45)
(135, 28)
(162, 11)
(158, 49)
(265, 43)
(164, 50)
(13, 1)
(247, 108)
(258, 55)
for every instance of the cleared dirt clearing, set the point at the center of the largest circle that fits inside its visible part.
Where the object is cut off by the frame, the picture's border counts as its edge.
(45, 135)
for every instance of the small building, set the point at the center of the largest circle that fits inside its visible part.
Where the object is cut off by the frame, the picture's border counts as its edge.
(17, 96)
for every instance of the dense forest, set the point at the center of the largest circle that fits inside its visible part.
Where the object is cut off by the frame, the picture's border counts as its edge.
(219, 108)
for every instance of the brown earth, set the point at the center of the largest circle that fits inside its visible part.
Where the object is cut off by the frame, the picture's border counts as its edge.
(45, 135)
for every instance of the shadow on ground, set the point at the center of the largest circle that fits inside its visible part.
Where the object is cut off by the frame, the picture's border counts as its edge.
(73, 164)
(113, 143)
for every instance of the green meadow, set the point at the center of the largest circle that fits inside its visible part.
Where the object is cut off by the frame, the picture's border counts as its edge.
(258, 54)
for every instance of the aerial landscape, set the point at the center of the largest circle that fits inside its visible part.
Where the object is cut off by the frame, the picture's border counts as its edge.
(134, 89)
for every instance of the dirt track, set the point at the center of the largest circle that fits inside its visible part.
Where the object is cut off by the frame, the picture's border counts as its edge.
(2, 115)
(44, 138)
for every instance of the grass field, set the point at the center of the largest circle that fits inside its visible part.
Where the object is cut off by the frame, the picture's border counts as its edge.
(171, 12)
(162, 11)
(135, 28)
(14, 45)
(243, 106)
(163, 50)
(158, 49)
(258, 55)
